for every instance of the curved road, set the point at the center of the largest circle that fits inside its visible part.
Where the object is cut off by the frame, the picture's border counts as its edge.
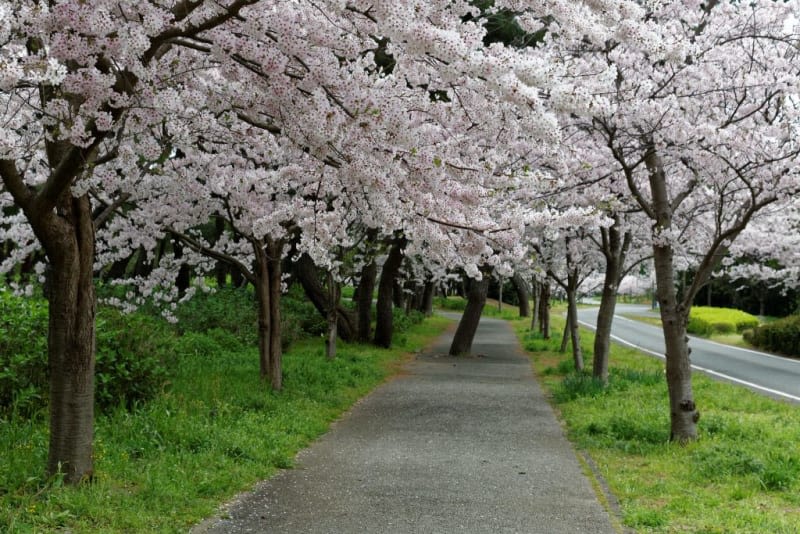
(772, 375)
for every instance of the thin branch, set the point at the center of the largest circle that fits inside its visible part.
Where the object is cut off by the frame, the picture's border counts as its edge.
(210, 252)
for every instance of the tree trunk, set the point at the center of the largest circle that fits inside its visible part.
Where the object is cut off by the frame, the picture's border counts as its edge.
(544, 311)
(427, 299)
(71, 339)
(398, 295)
(615, 248)
(308, 276)
(565, 335)
(274, 270)
(537, 299)
(605, 318)
(522, 295)
(263, 294)
(333, 304)
(366, 286)
(465, 333)
(500, 294)
(683, 411)
(574, 327)
(383, 323)
(220, 267)
(674, 316)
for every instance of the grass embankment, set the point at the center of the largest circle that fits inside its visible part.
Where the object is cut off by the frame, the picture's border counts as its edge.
(213, 432)
(742, 475)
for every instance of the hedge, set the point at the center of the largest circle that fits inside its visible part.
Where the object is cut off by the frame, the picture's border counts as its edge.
(781, 336)
(706, 320)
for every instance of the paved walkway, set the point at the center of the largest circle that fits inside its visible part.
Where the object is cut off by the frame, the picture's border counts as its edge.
(454, 445)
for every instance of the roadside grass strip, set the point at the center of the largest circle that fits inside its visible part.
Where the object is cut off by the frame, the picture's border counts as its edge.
(741, 475)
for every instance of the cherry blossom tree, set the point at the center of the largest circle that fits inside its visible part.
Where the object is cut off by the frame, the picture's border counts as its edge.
(704, 137)
(95, 97)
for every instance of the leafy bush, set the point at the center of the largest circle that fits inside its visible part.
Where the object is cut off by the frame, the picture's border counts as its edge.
(706, 320)
(231, 309)
(402, 321)
(781, 336)
(301, 317)
(23, 354)
(131, 352)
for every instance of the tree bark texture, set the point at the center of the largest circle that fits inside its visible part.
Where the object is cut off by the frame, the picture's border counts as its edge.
(537, 299)
(333, 304)
(674, 315)
(274, 271)
(267, 282)
(615, 248)
(500, 294)
(427, 299)
(467, 326)
(574, 327)
(523, 295)
(544, 311)
(263, 294)
(605, 318)
(308, 276)
(366, 286)
(391, 267)
(68, 239)
(565, 335)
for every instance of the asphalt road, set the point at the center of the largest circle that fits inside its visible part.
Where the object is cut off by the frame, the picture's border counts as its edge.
(768, 374)
(451, 445)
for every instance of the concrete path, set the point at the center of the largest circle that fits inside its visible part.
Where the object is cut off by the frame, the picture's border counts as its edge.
(454, 445)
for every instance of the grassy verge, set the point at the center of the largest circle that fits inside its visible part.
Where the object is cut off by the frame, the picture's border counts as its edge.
(213, 432)
(742, 475)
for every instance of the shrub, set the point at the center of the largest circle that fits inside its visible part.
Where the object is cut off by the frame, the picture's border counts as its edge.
(234, 310)
(402, 321)
(23, 354)
(301, 315)
(706, 320)
(781, 336)
(131, 352)
(231, 309)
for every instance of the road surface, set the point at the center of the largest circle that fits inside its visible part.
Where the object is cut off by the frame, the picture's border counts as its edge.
(452, 445)
(772, 375)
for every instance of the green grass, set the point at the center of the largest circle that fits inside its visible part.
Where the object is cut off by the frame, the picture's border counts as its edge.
(742, 475)
(214, 431)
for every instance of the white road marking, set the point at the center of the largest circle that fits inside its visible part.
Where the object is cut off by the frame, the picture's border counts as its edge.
(702, 369)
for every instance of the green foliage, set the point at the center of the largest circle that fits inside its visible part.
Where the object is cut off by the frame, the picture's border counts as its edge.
(130, 365)
(300, 315)
(402, 321)
(781, 336)
(23, 354)
(706, 320)
(230, 309)
(132, 351)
